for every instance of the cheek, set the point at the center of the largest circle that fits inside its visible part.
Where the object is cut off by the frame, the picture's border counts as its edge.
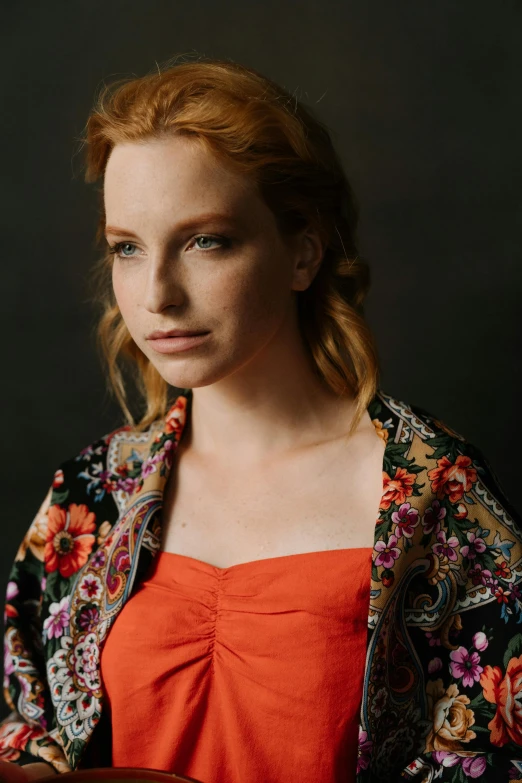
(122, 293)
(118, 284)
(252, 303)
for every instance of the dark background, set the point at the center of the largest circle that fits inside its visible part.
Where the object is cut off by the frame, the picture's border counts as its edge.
(424, 103)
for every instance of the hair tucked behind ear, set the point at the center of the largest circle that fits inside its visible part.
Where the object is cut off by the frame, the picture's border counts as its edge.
(258, 129)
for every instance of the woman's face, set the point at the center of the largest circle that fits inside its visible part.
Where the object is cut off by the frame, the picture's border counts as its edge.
(198, 250)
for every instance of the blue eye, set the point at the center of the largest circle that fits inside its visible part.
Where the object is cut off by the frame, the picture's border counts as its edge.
(117, 248)
(224, 242)
(206, 239)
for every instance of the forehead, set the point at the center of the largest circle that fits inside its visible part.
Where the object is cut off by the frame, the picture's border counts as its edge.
(174, 173)
(175, 161)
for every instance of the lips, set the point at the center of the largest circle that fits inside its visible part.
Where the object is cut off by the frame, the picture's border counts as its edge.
(158, 334)
(173, 345)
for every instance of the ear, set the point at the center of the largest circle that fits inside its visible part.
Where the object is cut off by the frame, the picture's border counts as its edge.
(308, 255)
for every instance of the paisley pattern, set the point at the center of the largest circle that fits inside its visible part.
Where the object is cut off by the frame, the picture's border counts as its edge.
(442, 695)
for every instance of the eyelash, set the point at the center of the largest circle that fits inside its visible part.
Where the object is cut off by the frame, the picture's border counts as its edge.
(224, 242)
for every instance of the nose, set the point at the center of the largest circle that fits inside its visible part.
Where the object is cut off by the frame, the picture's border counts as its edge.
(162, 285)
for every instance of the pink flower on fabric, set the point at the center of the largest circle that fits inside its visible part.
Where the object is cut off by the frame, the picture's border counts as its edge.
(446, 548)
(446, 758)
(479, 575)
(406, 519)
(465, 665)
(433, 638)
(480, 641)
(98, 561)
(433, 517)
(26, 687)
(476, 546)
(434, 665)
(8, 662)
(12, 591)
(58, 618)
(127, 485)
(365, 748)
(148, 467)
(474, 766)
(387, 553)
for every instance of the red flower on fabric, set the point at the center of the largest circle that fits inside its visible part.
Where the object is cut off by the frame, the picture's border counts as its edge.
(502, 595)
(20, 733)
(398, 488)
(506, 692)
(461, 512)
(58, 478)
(503, 570)
(69, 539)
(452, 479)
(175, 418)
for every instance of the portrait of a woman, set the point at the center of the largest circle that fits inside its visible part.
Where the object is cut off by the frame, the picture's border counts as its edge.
(279, 571)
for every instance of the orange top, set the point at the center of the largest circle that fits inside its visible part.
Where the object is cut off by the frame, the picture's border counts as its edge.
(241, 674)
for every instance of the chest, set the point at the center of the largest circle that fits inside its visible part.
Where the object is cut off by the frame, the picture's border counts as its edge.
(325, 499)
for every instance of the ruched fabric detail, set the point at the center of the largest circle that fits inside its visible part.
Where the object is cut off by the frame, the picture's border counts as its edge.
(246, 674)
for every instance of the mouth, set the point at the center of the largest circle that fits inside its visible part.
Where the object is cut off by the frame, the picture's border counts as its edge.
(178, 343)
(159, 335)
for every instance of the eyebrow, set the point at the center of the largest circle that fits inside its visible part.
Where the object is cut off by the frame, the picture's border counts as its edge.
(191, 223)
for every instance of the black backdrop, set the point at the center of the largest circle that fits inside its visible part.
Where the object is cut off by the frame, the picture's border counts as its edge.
(424, 104)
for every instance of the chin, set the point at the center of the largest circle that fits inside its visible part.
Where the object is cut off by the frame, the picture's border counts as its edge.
(190, 378)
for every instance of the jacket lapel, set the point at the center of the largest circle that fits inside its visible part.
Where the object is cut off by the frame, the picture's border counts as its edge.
(139, 464)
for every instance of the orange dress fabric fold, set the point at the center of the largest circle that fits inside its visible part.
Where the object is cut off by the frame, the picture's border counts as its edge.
(243, 674)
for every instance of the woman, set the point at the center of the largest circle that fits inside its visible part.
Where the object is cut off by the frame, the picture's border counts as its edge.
(281, 572)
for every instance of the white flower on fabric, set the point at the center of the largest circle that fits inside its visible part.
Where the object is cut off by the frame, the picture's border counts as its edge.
(58, 619)
(90, 587)
(12, 591)
(480, 641)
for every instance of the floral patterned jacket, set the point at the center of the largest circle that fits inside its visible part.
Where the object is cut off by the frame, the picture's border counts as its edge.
(442, 694)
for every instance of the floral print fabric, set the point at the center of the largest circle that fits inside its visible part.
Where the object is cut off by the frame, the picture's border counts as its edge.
(442, 692)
